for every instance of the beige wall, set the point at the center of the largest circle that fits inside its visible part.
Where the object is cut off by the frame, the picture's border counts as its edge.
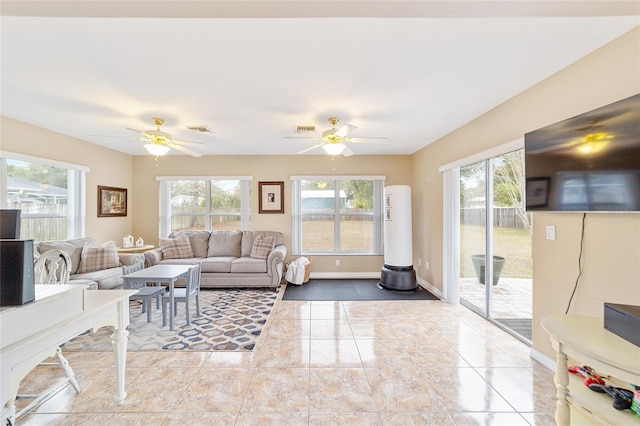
(611, 259)
(108, 167)
(397, 169)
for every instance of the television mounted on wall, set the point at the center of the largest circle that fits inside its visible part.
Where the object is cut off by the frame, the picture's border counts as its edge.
(587, 163)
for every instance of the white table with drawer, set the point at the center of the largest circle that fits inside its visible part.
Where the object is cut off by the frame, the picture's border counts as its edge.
(31, 333)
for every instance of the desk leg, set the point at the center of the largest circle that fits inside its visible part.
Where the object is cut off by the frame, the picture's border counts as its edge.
(171, 306)
(119, 344)
(561, 380)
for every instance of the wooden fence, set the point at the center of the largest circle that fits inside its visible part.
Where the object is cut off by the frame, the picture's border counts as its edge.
(42, 222)
(503, 217)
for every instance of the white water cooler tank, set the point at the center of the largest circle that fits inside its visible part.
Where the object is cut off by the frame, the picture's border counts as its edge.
(397, 272)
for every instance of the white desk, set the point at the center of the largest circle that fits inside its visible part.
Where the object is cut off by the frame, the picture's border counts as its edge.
(160, 274)
(586, 341)
(31, 333)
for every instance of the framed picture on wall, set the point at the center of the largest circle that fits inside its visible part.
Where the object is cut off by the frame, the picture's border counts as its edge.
(270, 197)
(112, 202)
(537, 192)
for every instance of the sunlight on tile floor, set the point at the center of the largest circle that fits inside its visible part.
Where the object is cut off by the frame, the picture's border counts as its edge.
(321, 363)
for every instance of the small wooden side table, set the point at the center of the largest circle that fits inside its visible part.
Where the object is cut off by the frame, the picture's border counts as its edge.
(135, 249)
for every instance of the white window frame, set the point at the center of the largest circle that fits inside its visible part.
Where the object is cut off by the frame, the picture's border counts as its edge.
(165, 200)
(296, 216)
(76, 189)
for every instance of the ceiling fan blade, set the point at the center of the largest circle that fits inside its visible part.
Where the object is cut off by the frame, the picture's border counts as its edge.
(344, 130)
(309, 149)
(185, 150)
(112, 137)
(301, 137)
(372, 140)
(134, 130)
(347, 152)
(186, 142)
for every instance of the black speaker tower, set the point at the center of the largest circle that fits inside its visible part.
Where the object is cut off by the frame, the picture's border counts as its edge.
(17, 285)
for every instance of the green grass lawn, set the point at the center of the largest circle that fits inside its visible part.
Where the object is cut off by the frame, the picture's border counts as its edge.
(512, 244)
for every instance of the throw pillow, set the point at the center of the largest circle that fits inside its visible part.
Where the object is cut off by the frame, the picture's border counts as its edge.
(95, 258)
(262, 246)
(199, 241)
(176, 248)
(72, 247)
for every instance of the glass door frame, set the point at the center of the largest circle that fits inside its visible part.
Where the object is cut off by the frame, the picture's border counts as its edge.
(451, 224)
(486, 310)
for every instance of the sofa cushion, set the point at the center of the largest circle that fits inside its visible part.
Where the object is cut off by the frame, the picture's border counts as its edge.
(217, 264)
(249, 236)
(96, 258)
(176, 248)
(248, 264)
(189, 261)
(106, 278)
(224, 243)
(262, 246)
(199, 241)
(72, 247)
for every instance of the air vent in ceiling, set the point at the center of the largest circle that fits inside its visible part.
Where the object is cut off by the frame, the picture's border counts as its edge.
(200, 129)
(305, 129)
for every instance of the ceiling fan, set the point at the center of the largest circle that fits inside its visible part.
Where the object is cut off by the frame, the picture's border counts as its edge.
(159, 143)
(334, 140)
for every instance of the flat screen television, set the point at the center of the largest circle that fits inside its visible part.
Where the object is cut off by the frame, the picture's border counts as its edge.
(588, 163)
(10, 224)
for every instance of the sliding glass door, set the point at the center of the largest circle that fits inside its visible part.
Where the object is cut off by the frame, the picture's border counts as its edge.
(473, 234)
(494, 225)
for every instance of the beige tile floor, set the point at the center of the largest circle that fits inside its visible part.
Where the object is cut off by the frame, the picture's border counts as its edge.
(321, 363)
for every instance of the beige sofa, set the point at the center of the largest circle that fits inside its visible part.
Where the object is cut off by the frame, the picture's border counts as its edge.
(105, 270)
(225, 257)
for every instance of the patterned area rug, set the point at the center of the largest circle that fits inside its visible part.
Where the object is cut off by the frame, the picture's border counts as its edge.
(230, 320)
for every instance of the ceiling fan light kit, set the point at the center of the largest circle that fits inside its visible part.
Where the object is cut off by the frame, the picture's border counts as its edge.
(157, 149)
(334, 148)
(159, 143)
(334, 140)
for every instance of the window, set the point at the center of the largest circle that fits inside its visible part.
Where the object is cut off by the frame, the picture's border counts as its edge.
(204, 203)
(50, 195)
(337, 215)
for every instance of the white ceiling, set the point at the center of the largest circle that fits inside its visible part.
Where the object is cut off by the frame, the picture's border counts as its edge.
(411, 71)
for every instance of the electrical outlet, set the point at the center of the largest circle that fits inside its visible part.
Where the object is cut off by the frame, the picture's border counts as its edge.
(337, 262)
(426, 265)
(419, 262)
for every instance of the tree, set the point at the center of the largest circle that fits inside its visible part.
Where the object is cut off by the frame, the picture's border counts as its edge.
(36, 172)
(472, 180)
(360, 192)
(509, 184)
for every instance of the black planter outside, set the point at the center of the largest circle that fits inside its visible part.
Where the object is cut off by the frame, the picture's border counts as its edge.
(479, 264)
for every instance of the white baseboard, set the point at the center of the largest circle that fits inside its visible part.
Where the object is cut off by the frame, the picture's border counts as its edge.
(344, 275)
(428, 286)
(543, 359)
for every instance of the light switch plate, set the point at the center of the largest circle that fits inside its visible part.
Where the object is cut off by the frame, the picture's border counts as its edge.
(551, 232)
